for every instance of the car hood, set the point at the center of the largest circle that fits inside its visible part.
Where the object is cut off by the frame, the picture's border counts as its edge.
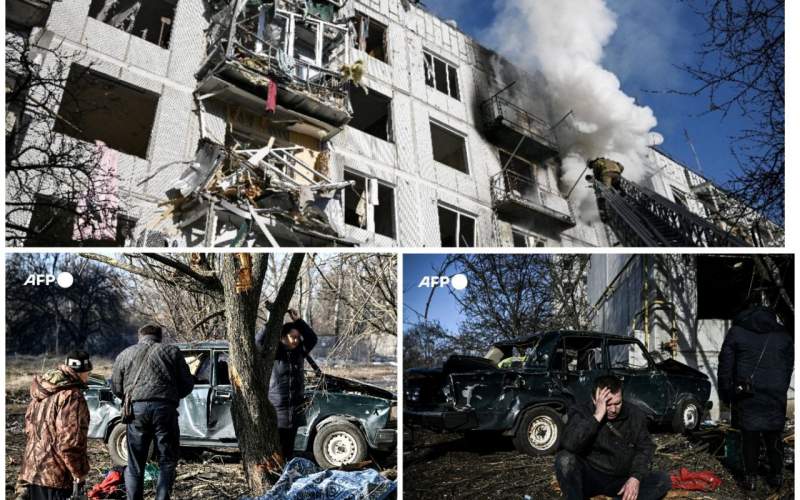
(339, 384)
(673, 367)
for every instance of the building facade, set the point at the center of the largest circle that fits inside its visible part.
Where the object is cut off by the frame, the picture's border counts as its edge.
(681, 306)
(376, 122)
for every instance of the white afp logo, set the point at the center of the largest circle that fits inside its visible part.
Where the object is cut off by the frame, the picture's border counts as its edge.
(64, 280)
(458, 281)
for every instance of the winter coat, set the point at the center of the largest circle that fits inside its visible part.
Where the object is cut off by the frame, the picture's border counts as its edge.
(626, 455)
(165, 375)
(56, 426)
(287, 383)
(738, 360)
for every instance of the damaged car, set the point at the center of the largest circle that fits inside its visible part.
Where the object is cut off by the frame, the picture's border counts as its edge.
(345, 419)
(522, 387)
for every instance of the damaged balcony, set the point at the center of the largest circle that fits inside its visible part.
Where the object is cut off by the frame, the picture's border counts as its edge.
(256, 197)
(288, 63)
(517, 197)
(512, 128)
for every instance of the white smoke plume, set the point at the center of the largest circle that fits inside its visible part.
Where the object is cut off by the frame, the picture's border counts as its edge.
(564, 41)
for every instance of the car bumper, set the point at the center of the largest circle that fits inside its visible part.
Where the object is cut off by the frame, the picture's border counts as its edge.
(441, 420)
(386, 439)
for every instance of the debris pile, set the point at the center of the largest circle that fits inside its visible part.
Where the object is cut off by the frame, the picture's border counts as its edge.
(487, 466)
(264, 197)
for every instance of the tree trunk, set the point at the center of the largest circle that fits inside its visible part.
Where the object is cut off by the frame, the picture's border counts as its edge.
(254, 418)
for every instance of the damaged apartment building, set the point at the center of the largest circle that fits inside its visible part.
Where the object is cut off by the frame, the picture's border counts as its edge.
(326, 123)
(681, 306)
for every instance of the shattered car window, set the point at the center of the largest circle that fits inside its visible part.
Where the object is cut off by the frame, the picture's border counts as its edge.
(537, 356)
(627, 355)
(199, 365)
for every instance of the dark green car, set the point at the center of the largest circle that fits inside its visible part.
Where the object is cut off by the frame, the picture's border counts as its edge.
(523, 387)
(345, 418)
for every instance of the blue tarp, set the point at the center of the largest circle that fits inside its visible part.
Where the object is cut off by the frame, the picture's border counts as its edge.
(304, 480)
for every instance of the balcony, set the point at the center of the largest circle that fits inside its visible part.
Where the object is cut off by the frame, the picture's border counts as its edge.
(506, 124)
(516, 198)
(301, 56)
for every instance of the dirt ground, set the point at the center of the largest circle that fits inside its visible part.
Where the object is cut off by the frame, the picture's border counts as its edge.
(450, 466)
(203, 473)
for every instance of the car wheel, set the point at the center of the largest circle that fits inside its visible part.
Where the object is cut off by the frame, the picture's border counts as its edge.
(687, 416)
(118, 445)
(339, 443)
(539, 432)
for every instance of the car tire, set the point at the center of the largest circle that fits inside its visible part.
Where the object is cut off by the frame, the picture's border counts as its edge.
(118, 445)
(687, 416)
(339, 443)
(539, 432)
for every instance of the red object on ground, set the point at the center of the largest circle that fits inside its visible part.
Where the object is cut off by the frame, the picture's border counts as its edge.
(272, 96)
(695, 481)
(107, 486)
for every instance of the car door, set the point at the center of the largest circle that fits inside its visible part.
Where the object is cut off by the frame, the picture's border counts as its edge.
(643, 383)
(220, 421)
(193, 409)
(576, 362)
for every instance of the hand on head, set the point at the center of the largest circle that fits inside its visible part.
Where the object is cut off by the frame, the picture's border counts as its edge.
(601, 398)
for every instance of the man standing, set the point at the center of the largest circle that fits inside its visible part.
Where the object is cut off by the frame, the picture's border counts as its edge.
(755, 369)
(56, 425)
(287, 383)
(156, 377)
(607, 449)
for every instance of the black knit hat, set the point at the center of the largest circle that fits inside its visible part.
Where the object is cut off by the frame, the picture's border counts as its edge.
(79, 361)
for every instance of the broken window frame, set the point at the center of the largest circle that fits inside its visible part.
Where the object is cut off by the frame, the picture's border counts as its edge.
(459, 215)
(362, 17)
(451, 74)
(531, 240)
(632, 344)
(370, 184)
(291, 19)
(464, 148)
(165, 31)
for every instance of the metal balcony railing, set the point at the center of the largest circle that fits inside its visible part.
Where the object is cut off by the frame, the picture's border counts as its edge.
(497, 111)
(272, 62)
(511, 190)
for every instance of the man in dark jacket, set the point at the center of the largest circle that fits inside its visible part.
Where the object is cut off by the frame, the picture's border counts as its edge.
(287, 383)
(157, 378)
(607, 449)
(56, 426)
(755, 369)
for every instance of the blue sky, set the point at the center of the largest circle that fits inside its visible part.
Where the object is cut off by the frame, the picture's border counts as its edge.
(653, 36)
(444, 307)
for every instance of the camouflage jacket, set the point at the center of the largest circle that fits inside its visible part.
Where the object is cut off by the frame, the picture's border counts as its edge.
(56, 425)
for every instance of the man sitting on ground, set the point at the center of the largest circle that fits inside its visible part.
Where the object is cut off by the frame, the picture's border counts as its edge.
(607, 449)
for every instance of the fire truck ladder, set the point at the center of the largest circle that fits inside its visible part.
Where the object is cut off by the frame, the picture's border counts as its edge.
(642, 218)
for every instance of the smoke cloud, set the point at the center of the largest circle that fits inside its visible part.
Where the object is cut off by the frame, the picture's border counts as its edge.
(563, 40)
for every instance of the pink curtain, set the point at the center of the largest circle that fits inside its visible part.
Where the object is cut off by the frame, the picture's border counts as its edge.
(97, 209)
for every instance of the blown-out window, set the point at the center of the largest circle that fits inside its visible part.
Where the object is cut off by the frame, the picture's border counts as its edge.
(150, 20)
(369, 205)
(441, 75)
(456, 229)
(449, 148)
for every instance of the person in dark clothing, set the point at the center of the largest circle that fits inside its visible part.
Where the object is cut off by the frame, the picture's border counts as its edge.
(607, 449)
(755, 369)
(286, 385)
(157, 378)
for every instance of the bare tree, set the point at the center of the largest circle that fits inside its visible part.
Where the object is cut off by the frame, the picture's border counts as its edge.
(235, 282)
(568, 281)
(53, 181)
(94, 313)
(741, 70)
